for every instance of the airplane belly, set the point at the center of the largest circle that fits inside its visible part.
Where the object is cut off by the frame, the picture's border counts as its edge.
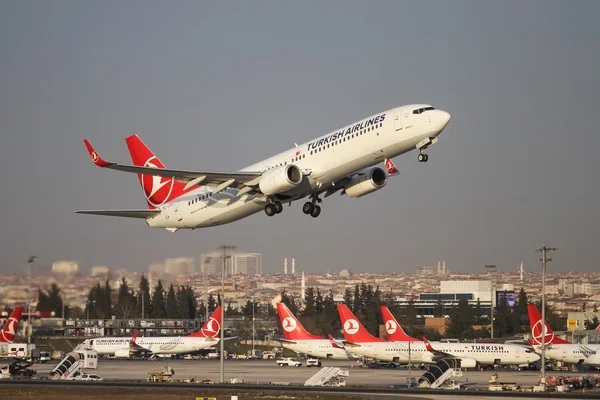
(223, 213)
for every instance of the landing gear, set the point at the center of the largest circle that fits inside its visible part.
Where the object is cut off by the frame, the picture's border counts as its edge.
(423, 157)
(308, 207)
(316, 211)
(270, 210)
(278, 207)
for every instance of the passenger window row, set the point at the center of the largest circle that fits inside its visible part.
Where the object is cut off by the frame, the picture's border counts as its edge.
(199, 198)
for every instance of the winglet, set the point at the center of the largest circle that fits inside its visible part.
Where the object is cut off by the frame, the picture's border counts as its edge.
(427, 344)
(598, 327)
(391, 168)
(334, 343)
(135, 335)
(94, 154)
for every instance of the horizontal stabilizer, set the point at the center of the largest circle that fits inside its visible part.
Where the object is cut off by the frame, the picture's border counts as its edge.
(122, 213)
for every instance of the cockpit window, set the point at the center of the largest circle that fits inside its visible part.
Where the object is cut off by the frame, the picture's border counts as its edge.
(422, 110)
(429, 108)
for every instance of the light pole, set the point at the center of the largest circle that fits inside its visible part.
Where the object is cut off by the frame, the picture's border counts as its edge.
(224, 248)
(30, 261)
(544, 250)
(252, 326)
(490, 270)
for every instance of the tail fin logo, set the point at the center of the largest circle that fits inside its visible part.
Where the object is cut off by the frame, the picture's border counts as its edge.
(351, 326)
(536, 333)
(94, 156)
(391, 168)
(153, 184)
(289, 324)
(212, 327)
(391, 327)
(9, 331)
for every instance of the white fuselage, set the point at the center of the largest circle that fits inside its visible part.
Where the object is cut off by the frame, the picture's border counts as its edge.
(571, 353)
(320, 348)
(325, 160)
(483, 354)
(153, 345)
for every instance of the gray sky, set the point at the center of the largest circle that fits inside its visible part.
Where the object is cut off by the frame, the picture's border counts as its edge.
(219, 86)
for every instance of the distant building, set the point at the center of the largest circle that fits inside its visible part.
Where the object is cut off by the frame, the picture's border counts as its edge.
(65, 267)
(99, 271)
(248, 264)
(345, 273)
(156, 269)
(180, 266)
(211, 263)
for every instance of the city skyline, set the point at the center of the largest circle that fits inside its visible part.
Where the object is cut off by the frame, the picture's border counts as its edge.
(220, 86)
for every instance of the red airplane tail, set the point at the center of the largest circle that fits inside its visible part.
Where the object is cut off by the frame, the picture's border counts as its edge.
(354, 331)
(211, 327)
(9, 332)
(292, 328)
(158, 190)
(393, 328)
(535, 322)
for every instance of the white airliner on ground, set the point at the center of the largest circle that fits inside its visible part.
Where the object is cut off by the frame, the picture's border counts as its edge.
(127, 346)
(343, 160)
(9, 330)
(557, 348)
(359, 341)
(300, 341)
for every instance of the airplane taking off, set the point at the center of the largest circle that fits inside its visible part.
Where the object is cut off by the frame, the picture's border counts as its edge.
(360, 341)
(343, 160)
(557, 348)
(127, 346)
(296, 338)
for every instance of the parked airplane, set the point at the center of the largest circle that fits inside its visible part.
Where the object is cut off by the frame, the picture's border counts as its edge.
(360, 341)
(343, 160)
(9, 330)
(296, 338)
(127, 346)
(557, 348)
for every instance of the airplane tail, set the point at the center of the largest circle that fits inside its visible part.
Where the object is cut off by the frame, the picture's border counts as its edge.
(354, 331)
(393, 328)
(8, 333)
(212, 326)
(158, 190)
(535, 322)
(292, 328)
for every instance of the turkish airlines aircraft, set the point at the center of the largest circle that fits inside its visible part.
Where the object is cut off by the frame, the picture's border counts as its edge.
(557, 348)
(9, 331)
(296, 338)
(127, 346)
(361, 342)
(343, 160)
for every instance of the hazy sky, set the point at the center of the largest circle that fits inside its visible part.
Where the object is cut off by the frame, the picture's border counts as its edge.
(221, 85)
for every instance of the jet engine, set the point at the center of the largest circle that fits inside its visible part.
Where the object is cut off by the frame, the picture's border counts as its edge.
(280, 179)
(366, 182)
(122, 353)
(468, 362)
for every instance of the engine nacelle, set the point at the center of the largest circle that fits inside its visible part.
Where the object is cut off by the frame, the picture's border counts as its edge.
(366, 182)
(122, 353)
(468, 362)
(280, 179)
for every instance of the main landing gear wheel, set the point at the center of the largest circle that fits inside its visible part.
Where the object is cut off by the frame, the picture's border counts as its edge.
(423, 157)
(316, 211)
(278, 207)
(270, 210)
(308, 207)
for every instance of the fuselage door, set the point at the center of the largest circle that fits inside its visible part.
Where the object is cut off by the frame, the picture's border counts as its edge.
(398, 120)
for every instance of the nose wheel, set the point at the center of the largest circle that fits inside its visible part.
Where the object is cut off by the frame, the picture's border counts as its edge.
(273, 208)
(423, 157)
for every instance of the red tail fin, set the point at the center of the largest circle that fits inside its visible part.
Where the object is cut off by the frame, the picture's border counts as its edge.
(212, 326)
(8, 333)
(292, 328)
(353, 330)
(598, 327)
(535, 322)
(134, 338)
(158, 190)
(393, 329)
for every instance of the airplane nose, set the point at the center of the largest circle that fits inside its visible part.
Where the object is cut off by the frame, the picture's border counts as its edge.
(444, 118)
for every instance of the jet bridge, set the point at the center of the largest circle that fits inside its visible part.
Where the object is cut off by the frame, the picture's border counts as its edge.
(328, 376)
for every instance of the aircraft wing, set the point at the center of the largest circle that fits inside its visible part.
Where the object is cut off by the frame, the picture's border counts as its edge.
(282, 340)
(436, 353)
(228, 179)
(122, 213)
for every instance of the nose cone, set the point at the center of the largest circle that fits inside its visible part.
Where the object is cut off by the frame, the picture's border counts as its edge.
(444, 118)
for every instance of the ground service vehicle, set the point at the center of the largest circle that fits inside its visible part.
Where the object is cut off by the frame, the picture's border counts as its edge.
(289, 362)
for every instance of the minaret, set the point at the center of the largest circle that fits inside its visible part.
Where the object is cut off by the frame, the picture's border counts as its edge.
(439, 268)
(444, 270)
(303, 287)
(522, 271)
(285, 266)
(293, 266)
